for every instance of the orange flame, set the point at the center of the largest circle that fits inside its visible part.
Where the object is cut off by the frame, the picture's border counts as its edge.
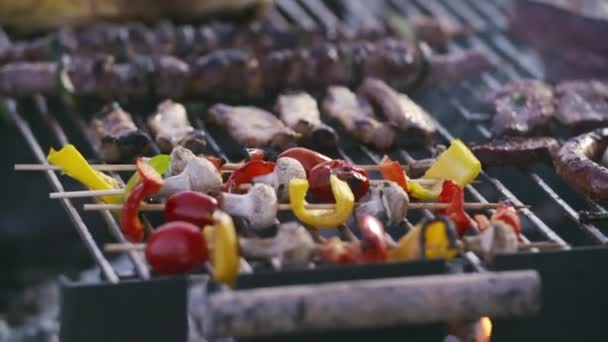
(485, 329)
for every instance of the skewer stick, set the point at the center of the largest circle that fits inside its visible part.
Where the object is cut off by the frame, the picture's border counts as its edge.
(327, 206)
(112, 192)
(132, 167)
(127, 247)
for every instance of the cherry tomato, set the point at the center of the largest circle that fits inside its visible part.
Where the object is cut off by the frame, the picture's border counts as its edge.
(308, 158)
(190, 206)
(176, 247)
(355, 177)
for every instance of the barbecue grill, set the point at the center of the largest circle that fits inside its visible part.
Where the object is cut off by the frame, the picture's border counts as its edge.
(571, 278)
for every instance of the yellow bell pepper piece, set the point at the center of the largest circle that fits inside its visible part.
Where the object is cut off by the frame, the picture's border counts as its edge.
(225, 249)
(321, 218)
(438, 242)
(74, 165)
(457, 163)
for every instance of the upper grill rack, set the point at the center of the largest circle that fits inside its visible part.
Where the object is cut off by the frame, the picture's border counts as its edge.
(552, 206)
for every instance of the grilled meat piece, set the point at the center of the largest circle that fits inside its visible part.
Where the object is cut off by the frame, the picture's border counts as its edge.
(523, 107)
(118, 139)
(185, 40)
(357, 116)
(582, 105)
(171, 127)
(251, 126)
(299, 111)
(398, 109)
(578, 163)
(236, 73)
(517, 151)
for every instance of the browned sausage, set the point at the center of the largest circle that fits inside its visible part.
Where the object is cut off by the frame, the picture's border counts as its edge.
(577, 163)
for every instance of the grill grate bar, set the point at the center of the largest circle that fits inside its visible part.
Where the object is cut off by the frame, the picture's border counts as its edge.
(82, 229)
(321, 12)
(140, 267)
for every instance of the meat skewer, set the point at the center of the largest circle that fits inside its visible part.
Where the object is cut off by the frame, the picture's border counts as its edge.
(357, 116)
(518, 151)
(523, 107)
(251, 126)
(300, 112)
(185, 40)
(236, 73)
(398, 109)
(171, 127)
(118, 138)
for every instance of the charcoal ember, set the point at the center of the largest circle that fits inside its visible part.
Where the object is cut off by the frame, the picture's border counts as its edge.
(582, 104)
(523, 107)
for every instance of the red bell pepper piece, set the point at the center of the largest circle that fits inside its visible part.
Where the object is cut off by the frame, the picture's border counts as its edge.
(308, 158)
(391, 170)
(509, 216)
(176, 247)
(247, 172)
(453, 194)
(373, 243)
(191, 206)
(151, 183)
(320, 187)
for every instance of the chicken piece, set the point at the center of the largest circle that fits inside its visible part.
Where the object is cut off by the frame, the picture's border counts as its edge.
(386, 201)
(118, 139)
(251, 126)
(582, 105)
(292, 245)
(300, 112)
(199, 175)
(523, 107)
(171, 127)
(356, 115)
(285, 170)
(398, 109)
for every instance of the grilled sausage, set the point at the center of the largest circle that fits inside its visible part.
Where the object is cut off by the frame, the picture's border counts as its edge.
(577, 162)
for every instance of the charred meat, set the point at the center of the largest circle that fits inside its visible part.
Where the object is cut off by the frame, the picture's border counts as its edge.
(171, 128)
(237, 73)
(578, 163)
(398, 109)
(523, 107)
(582, 105)
(517, 151)
(357, 116)
(251, 126)
(185, 40)
(300, 112)
(118, 139)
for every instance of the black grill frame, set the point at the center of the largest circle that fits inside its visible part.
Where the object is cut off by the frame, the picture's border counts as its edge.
(514, 60)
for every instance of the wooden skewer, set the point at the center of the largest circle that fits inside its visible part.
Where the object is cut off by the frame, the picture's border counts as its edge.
(112, 192)
(132, 167)
(328, 206)
(127, 247)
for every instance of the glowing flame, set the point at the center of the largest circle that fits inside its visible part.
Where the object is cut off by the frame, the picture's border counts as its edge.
(486, 329)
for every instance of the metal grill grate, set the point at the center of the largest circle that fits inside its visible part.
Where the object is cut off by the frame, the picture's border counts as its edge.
(554, 208)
